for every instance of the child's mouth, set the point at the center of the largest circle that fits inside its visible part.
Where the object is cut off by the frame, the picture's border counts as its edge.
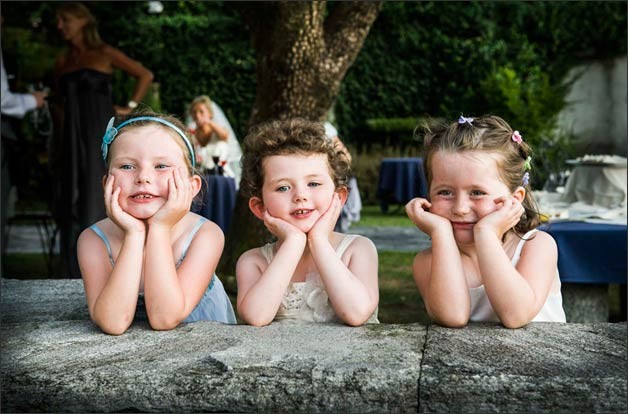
(463, 225)
(141, 197)
(301, 213)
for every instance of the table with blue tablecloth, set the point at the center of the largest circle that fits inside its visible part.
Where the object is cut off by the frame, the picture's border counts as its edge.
(590, 252)
(401, 180)
(591, 255)
(216, 200)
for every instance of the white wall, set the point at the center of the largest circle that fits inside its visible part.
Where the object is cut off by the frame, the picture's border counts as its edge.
(596, 111)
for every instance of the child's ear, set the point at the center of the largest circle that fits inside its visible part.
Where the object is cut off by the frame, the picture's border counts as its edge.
(196, 182)
(343, 192)
(519, 194)
(256, 205)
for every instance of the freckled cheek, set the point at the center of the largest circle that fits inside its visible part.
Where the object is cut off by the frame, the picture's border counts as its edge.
(439, 207)
(486, 207)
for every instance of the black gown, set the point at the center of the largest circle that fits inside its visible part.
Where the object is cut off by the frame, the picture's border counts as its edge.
(87, 108)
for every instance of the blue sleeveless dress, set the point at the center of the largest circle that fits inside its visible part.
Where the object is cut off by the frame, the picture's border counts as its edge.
(214, 305)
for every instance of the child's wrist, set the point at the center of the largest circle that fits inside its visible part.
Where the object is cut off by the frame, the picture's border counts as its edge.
(135, 234)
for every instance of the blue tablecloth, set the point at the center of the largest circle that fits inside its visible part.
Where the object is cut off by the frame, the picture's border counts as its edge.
(216, 200)
(401, 180)
(590, 252)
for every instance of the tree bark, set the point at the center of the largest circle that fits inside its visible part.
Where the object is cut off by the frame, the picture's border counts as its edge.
(303, 51)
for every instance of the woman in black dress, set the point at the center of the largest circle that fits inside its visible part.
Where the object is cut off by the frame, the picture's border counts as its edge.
(84, 106)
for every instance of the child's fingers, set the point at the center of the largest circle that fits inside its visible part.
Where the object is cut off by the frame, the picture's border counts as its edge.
(115, 203)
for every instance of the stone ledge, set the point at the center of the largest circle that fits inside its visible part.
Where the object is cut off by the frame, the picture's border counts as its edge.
(55, 359)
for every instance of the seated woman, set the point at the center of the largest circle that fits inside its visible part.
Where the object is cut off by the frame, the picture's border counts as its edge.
(216, 141)
(351, 210)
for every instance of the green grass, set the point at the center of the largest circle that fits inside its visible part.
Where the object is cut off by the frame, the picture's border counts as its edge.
(399, 298)
(395, 217)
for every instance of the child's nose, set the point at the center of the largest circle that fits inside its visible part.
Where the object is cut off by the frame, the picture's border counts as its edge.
(143, 176)
(461, 206)
(300, 195)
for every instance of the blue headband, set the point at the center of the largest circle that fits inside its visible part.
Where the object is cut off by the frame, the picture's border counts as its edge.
(111, 132)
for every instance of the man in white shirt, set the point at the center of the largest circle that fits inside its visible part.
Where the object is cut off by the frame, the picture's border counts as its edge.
(14, 105)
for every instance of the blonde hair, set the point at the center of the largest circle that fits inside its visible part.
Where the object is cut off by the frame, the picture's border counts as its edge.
(488, 134)
(174, 134)
(285, 137)
(203, 100)
(90, 30)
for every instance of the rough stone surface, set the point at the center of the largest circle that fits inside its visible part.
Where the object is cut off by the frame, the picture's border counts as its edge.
(55, 359)
(543, 367)
(585, 302)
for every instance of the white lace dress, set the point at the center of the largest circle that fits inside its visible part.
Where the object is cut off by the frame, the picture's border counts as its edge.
(308, 301)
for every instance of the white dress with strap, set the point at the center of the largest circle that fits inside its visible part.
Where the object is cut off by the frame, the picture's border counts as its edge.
(308, 301)
(552, 310)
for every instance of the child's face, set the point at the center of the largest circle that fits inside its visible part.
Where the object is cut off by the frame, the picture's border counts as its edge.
(201, 114)
(141, 160)
(463, 189)
(297, 188)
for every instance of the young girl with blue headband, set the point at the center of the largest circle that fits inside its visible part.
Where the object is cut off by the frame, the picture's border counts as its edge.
(151, 253)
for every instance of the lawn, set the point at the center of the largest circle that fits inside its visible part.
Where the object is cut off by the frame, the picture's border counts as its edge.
(373, 216)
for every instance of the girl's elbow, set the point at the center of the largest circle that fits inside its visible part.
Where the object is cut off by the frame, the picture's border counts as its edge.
(452, 320)
(149, 76)
(163, 324)
(359, 317)
(114, 329)
(256, 320)
(116, 326)
(515, 321)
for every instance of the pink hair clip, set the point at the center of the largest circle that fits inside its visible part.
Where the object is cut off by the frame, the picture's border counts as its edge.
(516, 136)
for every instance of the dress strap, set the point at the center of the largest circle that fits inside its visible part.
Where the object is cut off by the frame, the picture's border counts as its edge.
(344, 243)
(525, 238)
(197, 226)
(105, 240)
(267, 251)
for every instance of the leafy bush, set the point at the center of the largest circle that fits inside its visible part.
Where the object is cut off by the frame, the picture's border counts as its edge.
(436, 59)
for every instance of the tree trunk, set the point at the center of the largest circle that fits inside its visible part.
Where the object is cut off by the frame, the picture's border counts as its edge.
(303, 51)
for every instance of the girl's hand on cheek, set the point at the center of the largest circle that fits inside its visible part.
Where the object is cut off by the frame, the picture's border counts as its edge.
(281, 228)
(178, 203)
(326, 223)
(418, 212)
(122, 219)
(508, 213)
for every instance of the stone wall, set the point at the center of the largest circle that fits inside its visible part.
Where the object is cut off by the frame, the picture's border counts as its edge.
(55, 359)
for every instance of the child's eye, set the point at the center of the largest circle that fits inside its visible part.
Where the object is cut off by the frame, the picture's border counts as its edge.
(477, 193)
(126, 167)
(161, 166)
(444, 193)
(314, 184)
(283, 188)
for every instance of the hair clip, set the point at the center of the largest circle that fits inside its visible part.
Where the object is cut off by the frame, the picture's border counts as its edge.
(463, 120)
(516, 136)
(528, 163)
(525, 180)
(107, 139)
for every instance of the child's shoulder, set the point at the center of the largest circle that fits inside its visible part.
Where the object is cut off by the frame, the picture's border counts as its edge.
(357, 242)
(104, 227)
(539, 239)
(250, 259)
(197, 229)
